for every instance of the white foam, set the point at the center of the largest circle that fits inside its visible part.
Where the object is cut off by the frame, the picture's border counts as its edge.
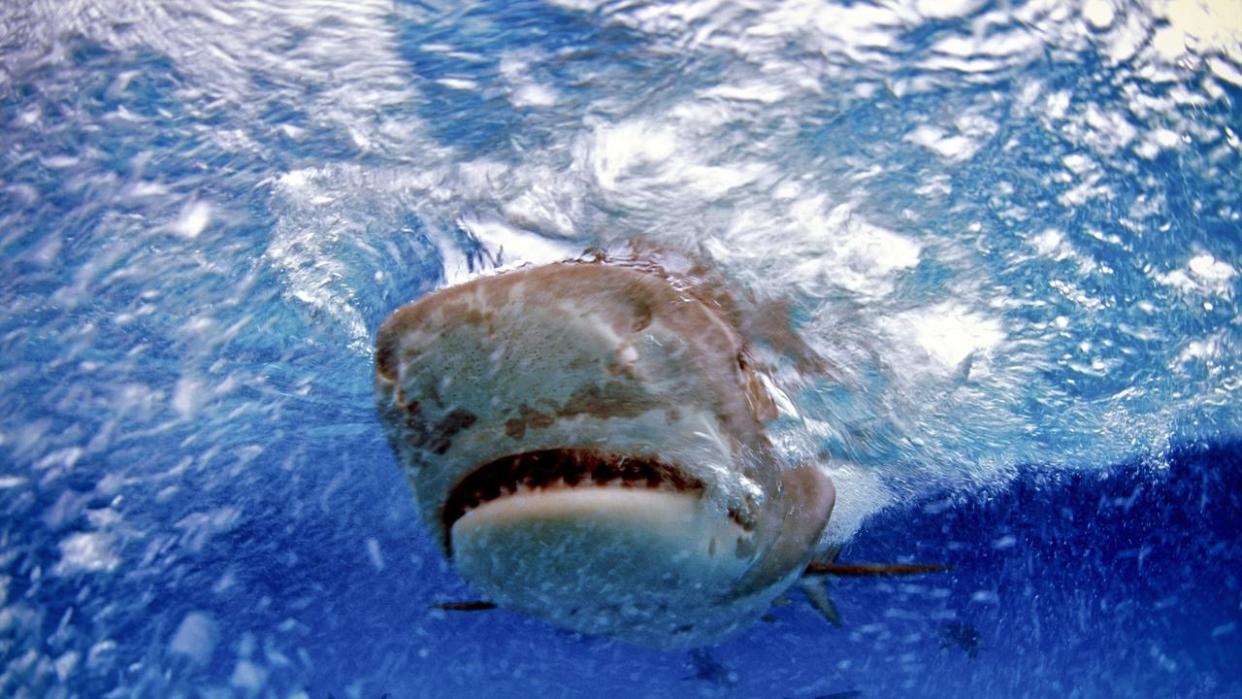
(375, 554)
(1203, 350)
(1110, 129)
(1225, 70)
(87, 552)
(841, 249)
(618, 151)
(1210, 269)
(761, 92)
(524, 91)
(548, 202)
(195, 638)
(948, 9)
(1203, 274)
(1077, 163)
(511, 246)
(1166, 138)
(1051, 243)
(1099, 14)
(101, 655)
(66, 664)
(198, 528)
(860, 494)
(458, 83)
(328, 212)
(534, 95)
(193, 220)
(955, 147)
(1198, 27)
(948, 333)
(248, 676)
(187, 396)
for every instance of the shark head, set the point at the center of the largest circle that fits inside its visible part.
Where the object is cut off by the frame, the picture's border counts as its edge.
(586, 441)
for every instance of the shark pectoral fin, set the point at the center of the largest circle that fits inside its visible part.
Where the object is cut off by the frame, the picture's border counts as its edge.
(807, 496)
(817, 594)
(828, 555)
(467, 606)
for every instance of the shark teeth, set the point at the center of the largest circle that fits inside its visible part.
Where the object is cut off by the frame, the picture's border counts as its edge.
(560, 468)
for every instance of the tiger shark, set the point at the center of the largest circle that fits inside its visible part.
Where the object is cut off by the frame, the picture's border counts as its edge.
(586, 440)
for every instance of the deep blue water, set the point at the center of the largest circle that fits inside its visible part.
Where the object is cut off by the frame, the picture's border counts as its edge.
(1011, 230)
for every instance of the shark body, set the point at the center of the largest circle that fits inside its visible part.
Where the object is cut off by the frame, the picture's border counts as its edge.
(586, 440)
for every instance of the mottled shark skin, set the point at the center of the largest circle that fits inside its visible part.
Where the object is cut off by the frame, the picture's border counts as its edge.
(586, 439)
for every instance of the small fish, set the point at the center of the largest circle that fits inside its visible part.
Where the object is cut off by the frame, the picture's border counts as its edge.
(961, 635)
(708, 669)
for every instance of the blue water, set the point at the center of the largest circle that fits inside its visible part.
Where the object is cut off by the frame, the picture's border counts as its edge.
(1012, 230)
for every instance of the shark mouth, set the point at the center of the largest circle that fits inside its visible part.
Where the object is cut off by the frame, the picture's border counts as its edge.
(550, 469)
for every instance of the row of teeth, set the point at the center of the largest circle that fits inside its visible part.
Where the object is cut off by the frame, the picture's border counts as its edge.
(559, 468)
(530, 485)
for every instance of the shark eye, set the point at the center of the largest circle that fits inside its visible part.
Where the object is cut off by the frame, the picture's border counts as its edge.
(385, 359)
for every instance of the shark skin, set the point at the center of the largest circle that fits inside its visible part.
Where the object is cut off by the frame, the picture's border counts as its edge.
(586, 440)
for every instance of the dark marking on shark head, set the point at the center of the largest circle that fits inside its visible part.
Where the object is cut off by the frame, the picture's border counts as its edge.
(527, 417)
(608, 400)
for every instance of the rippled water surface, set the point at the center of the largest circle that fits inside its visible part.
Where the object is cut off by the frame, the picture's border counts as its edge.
(1012, 230)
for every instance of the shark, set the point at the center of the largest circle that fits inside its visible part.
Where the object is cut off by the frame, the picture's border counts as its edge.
(587, 441)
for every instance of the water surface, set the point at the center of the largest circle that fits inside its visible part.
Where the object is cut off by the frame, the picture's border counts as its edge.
(1011, 229)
